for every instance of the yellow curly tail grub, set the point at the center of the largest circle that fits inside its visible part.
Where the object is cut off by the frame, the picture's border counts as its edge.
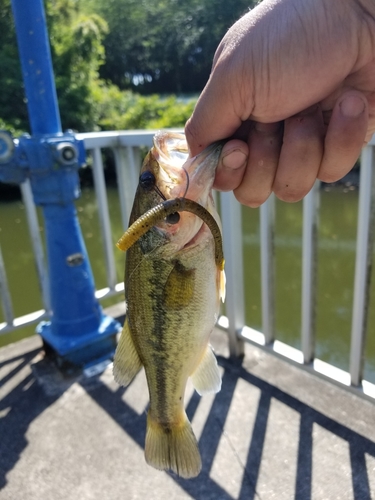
(163, 210)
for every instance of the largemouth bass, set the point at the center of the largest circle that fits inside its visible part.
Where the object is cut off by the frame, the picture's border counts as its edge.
(174, 281)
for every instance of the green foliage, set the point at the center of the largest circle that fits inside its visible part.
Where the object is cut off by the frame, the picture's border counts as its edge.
(12, 100)
(77, 52)
(123, 110)
(10, 127)
(101, 46)
(164, 46)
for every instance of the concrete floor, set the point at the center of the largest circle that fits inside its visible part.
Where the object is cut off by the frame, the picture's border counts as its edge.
(273, 432)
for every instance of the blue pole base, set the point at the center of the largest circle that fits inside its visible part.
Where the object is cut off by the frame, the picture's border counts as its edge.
(81, 350)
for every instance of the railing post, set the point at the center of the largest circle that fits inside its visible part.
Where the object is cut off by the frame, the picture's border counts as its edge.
(309, 271)
(364, 256)
(232, 243)
(128, 162)
(267, 265)
(105, 224)
(36, 242)
(78, 332)
(4, 293)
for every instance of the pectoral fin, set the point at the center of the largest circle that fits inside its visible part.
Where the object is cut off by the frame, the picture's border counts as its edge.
(179, 287)
(126, 363)
(206, 377)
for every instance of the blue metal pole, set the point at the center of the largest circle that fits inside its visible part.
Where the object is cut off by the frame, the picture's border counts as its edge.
(36, 63)
(78, 332)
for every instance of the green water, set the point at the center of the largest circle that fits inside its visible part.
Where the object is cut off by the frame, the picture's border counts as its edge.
(336, 261)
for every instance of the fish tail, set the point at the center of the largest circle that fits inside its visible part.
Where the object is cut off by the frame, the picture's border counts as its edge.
(173, 447)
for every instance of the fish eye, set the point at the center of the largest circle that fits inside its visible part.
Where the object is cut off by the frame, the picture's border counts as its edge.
(147, 180)
(173, 218)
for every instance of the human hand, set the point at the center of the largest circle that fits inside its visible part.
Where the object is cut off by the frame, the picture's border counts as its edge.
(293, 86)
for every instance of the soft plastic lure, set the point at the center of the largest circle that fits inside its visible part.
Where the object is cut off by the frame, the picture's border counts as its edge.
(166, 209)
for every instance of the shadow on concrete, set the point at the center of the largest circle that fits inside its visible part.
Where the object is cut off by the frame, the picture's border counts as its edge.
(18, 408)
(27, 393)
(358, 445)
(204, 487)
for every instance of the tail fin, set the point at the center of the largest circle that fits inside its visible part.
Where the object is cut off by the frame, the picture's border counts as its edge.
(173, 448)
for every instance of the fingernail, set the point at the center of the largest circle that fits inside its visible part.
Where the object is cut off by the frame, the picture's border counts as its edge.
(352, 106)
(234, 159)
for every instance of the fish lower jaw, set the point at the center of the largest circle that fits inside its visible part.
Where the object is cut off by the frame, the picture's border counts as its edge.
(202, 233)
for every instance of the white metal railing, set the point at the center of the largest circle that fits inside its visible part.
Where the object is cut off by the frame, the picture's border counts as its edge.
(126, 147)
(364, 255)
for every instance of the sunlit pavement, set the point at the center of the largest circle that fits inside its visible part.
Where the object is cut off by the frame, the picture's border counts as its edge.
(273, 432)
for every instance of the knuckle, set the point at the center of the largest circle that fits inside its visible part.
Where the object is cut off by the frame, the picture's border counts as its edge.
(193, 134)
(189, 131)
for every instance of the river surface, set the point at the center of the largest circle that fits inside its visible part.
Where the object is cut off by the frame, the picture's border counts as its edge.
(336, 262)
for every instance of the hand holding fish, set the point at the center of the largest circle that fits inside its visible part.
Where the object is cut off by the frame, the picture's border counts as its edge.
(293, 84)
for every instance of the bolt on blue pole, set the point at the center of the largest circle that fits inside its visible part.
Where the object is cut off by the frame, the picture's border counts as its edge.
(79, 332)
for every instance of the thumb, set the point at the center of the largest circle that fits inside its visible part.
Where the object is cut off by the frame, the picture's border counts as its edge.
(231, 166)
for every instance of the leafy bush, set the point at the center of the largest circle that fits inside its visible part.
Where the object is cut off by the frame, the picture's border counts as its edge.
(11, 127)
(124, 110)
(86, 101)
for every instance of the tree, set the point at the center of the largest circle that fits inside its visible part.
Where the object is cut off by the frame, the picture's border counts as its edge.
(13, 111)
(77, 53)
(165, 46)
(153, 47)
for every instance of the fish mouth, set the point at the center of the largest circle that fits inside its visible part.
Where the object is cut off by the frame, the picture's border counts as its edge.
(195, 240)
(181, 176)
(201, 171)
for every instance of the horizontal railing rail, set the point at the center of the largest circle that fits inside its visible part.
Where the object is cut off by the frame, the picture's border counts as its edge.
(127, 155)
